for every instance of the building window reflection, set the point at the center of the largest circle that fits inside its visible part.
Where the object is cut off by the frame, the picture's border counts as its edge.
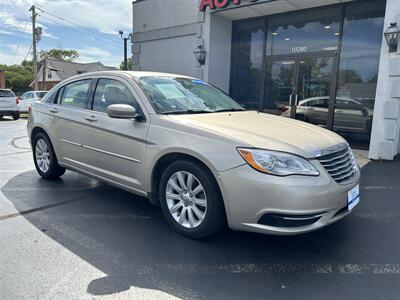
(358, 70)
(292, 58)
(247, 69)
(304, 32)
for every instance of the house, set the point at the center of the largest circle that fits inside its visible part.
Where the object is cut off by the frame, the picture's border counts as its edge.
(59, 70)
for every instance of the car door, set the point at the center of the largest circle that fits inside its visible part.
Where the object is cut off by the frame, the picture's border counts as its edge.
(30, 98)
(69, 126)
(317, 112)
(349, 116)
(116, 148)
(22, 106)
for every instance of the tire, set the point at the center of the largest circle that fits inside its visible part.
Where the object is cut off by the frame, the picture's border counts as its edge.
(48, 167)
(207, 203)
(16, 116)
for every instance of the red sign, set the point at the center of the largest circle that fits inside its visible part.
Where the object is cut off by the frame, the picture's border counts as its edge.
(215, 4)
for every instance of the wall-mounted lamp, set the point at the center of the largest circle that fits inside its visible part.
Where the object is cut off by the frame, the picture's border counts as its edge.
(392, 35)
(200, 54)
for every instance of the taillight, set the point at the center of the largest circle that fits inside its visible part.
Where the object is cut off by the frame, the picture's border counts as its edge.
(30, 108)
(284, 108)
(17, 100)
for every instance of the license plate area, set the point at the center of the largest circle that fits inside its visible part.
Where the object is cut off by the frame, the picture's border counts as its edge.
(353, 197)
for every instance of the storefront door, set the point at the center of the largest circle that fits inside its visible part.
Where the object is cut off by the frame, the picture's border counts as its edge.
(299, 86)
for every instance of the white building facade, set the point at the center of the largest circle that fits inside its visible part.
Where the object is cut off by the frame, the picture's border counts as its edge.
(320, 61)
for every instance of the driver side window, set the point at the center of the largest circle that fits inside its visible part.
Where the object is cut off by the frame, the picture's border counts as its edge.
(109, 91)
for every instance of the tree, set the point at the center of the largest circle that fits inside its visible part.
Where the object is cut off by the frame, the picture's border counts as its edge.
(61, 54)
(18, 77)
(121, 65)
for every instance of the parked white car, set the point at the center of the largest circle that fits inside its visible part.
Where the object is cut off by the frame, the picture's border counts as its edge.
(28, 98)
(8, 104)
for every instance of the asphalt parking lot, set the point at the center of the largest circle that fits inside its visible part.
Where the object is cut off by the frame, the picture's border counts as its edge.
(80, 238)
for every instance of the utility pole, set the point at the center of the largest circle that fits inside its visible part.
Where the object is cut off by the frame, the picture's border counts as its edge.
(44, 73)
(34, 15)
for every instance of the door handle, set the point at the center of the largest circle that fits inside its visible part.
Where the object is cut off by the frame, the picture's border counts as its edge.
(91, 119)
(53, 110)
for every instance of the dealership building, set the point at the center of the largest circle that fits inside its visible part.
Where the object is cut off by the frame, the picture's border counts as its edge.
(327, 62)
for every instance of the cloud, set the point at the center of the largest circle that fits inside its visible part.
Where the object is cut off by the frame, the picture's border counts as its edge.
(12, 53)
(89, 26)
(14, 25)
(103, 15)
(10, 22)
(92, 54)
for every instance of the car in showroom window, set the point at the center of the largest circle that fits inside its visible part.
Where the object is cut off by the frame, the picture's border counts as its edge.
(191, 149)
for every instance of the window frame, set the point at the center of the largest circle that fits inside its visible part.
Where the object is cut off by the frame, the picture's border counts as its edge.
(61, 90)
(129, 86)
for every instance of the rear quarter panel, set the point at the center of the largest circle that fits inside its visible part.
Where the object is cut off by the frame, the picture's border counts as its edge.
(41, 118)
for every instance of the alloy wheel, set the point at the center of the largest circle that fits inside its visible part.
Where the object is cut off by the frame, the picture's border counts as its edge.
(42, 155)
(186, 199)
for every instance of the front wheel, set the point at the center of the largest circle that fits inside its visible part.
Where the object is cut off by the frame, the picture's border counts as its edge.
(190, 200)
(45, 158)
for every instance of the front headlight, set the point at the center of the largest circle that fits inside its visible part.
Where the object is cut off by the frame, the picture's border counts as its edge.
(277, 163)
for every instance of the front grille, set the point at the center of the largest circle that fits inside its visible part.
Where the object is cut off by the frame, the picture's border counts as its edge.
(340, 165)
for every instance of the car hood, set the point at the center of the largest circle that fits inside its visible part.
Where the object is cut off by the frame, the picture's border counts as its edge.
(261, 130)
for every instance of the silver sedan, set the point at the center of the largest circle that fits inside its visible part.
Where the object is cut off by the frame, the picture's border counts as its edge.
(194, 151)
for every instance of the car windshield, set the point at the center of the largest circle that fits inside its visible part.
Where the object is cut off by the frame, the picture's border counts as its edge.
(41, 94)
(6, 93)
(172, 95)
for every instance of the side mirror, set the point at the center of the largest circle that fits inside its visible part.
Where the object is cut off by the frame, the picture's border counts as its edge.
(122, 111)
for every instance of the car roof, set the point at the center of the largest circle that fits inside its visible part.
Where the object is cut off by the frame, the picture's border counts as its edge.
(136, 74)
(8, 90)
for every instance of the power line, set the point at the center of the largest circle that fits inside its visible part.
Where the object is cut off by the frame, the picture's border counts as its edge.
(19, 43)
(102, 35)
(29, 51)
(83, 33)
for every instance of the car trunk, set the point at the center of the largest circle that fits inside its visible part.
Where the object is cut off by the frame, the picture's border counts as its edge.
(7, 100)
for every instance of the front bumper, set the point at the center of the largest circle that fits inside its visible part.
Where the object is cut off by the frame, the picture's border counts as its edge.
(251, 198)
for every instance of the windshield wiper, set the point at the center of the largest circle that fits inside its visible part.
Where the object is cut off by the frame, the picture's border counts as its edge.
(230, 110)
(186, 112)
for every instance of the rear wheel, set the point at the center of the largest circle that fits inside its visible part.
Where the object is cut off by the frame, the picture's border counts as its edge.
(190, 200)
(45, 158)
(16, 116)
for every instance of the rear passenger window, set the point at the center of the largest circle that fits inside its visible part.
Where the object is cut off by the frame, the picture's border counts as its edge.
(75, 94)
(50, 97)
(109, 91)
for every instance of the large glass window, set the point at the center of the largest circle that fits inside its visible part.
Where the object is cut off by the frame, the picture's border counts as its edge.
(358, 71)
(293, 57)
(304, 32)
(247, 66)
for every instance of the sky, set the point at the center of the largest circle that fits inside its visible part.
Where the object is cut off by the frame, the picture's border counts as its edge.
(88, 26)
